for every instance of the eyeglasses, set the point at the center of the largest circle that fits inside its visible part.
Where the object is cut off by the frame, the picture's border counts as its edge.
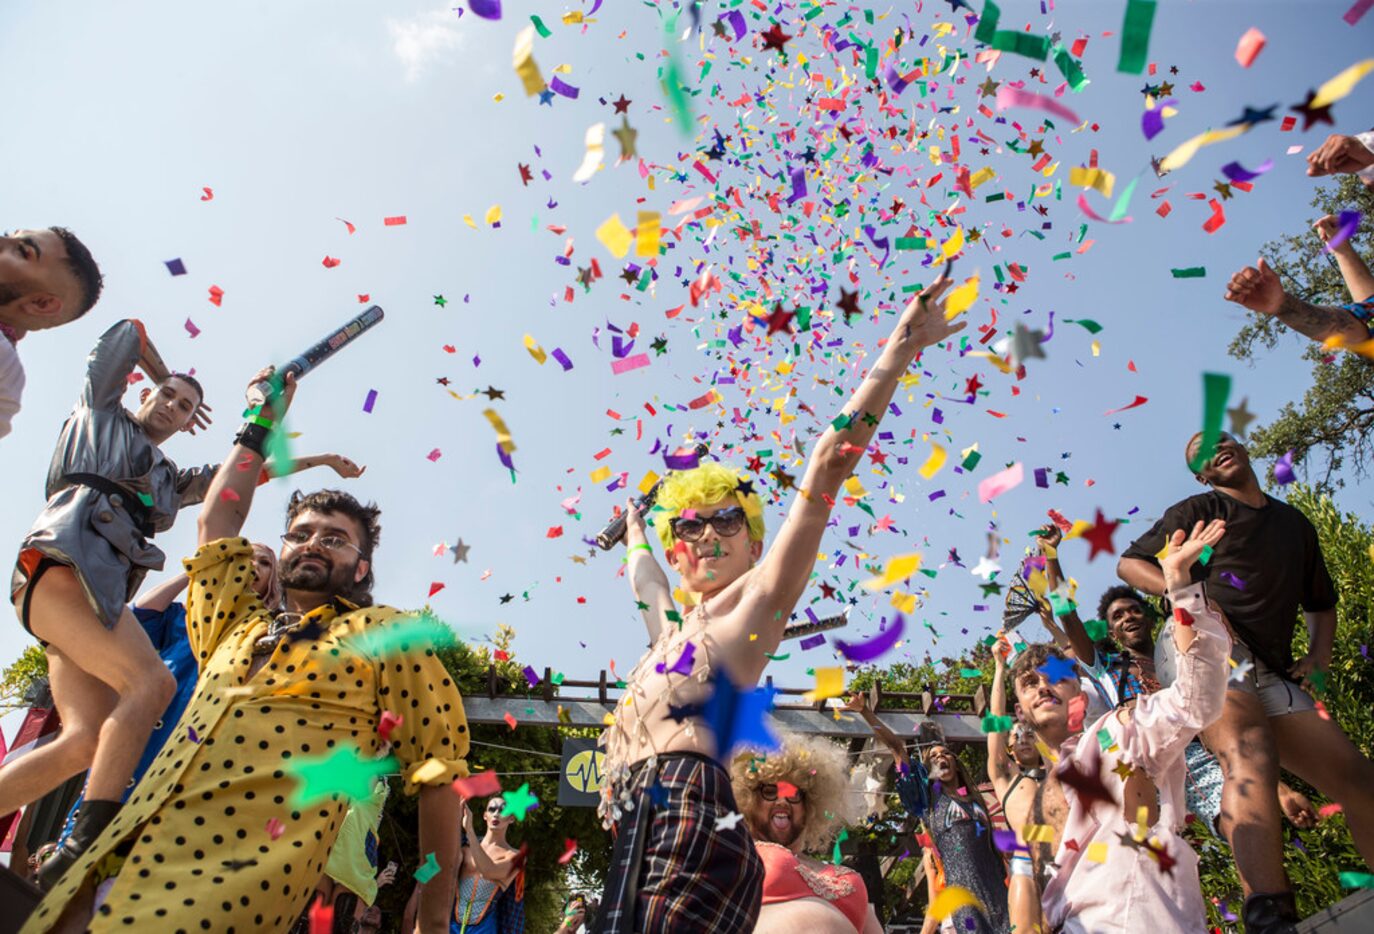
(726, 523)
(297, 539)
(770, 793)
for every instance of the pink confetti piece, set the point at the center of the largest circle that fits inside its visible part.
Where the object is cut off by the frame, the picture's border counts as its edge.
(1218, 218)
(1087, 209)
(1249, 46)
(1356, 12)
(275, 828)
(370, 401)
(510, 720)
(1002, 481)
(348, 224)
(629, 363)
(569, 848)
(330, 262)
(434, 455)
(209, 194)
(396, 220)
(388, 723)
(1008, 97)
(191, 328)
(479, 785)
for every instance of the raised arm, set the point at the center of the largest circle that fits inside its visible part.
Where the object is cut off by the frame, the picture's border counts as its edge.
(653, 593)
(337, 462)
(159, 597)
(1074, 632)
(999, 766)
(858, 703)
(781, 577)
(496, 869)
(1359, 281)
(1258, 288)
(230, 495)
(119, 350)
(1143, 575)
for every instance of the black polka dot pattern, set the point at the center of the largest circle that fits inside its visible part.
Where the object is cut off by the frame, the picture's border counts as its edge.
(200, 853)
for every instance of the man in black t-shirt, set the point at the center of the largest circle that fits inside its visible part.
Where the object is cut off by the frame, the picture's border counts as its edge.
(1268, 565)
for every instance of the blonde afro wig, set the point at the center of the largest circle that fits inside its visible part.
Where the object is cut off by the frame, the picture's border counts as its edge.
(817, 766)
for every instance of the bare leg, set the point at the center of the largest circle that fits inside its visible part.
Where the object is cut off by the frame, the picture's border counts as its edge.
(83, 703)
(123, 659)
(1243, 743)
(1023, 904)
(1316, 750)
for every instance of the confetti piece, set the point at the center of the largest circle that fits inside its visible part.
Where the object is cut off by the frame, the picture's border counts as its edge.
(626, 364)
(216, 296)
(951, 899)
(428, 870)
(1008, 97)
(1357, 880)
(1136, 403)
(478, 785)
(614, 235)
(1329, 810)
(503, 435)
(1346, 225)
(1190, 272)
(434, 455)
(829, 683)
(1283, 469)
(994, 486)
(330, 262)
(370, 401)
(1099, 180)
(525, 65)
(1097, 852)
(648, 229)
(535, 350)
(342, 772)
(1218, 218)
(389, 721)
(995, 724)
(1216, 387)
(1185, 152)
(208, 194)
(397, 220)
(1249, 46)
(1135, 36)
(435, 587)
(934, 462)
(1356, 12)
(321, 917)
(563, 359)
(1341, 85)
(275, 828)
(1152, 120)
(876, 647)
(176, 267)
(510, 720)
(569, 848)
(519, 802)
(897, 569)
(191, 328)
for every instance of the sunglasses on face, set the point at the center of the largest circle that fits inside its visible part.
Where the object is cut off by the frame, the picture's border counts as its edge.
(726, 523)
(770, 793)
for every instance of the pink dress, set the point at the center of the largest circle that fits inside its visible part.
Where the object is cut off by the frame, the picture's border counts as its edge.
(1102, 884)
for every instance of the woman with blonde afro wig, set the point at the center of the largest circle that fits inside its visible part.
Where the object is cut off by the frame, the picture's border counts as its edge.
(794, 801)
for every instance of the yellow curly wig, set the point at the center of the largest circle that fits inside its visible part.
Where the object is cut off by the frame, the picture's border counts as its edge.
(700, 487)
(815, 765)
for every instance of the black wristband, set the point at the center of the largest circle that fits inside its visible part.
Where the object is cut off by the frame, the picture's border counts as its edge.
(253, 437)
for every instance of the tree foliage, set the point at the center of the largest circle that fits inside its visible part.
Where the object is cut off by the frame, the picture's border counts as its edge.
(1315, 858)
(1332, 426)
(20, 677)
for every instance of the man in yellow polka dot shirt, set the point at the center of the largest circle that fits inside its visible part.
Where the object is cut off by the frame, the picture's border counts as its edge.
(219, 835)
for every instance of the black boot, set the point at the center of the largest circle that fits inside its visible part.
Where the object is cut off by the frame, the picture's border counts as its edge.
(91, 818)
(1270, 914)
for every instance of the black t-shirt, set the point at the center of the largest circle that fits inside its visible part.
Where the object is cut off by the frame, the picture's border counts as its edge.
(1267, 565)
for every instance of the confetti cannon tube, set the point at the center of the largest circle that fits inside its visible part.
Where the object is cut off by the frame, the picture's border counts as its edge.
(614, 531)
(330, 345)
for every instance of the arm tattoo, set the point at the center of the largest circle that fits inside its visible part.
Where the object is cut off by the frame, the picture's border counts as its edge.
(1316, 321)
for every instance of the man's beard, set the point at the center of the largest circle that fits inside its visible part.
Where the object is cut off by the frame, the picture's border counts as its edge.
(8, 294)
(328, 579)
(772, 834)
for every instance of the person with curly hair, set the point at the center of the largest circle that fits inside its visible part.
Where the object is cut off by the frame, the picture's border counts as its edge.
(794, 801)
(663, 781)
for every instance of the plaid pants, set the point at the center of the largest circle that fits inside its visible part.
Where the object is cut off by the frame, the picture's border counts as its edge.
(671, 869)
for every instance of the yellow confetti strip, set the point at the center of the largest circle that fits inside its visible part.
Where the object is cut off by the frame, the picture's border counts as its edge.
(854, 487)
(897, 569)
(1342, 84)
(1180, 156)
(1038, 833)
(951, 899)
(535, 350)
(648, 482)
(829, 683)
(954, 244)
(648, 230)
(934, 462)
(1097, 852)
(904, 602)
(600, 474)
(961, 298)
(494, 214)
(428, 771)
(1097, 179)
(985, 174)
(1363, 348)
(503, 436)
(615, 236)
(525, 65)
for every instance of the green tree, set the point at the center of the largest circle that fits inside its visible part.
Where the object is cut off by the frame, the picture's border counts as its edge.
(531, 755)
(1315, 858)
(1335, 417)
(21, 675)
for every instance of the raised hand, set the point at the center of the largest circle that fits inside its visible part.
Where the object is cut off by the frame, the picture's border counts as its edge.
(923, 321)
(1184, 551)
(1339, 155)
(343, 466)
(634, 526)
(200, 420)
(1048, 538)
(857, 702)
(256, 393)
(1257, 288)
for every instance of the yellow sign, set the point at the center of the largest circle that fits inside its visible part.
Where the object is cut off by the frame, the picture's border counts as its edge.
(583, 770)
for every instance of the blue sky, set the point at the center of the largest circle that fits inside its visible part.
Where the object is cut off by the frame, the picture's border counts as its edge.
(297, 114)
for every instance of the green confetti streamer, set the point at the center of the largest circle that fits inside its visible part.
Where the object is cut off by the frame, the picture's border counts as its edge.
(1216, 387)
(1135, 36)
(1088, 324)
(1190, 272)
(970, 673)
(1123, 202)
(429, 870)
(417, 630)
(1357, 880)
(1096, 629)
(1070, 68)
(539, 27)
(835, 856)
(994, 724)
(1205, 555)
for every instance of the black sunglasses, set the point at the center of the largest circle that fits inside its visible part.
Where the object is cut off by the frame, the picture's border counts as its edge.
(770, 793)
(726, 523)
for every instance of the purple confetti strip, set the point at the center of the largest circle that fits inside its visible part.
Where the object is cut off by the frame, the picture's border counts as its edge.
(530, 676)
(1283, 469)
(487, 9)
(1152, 121)
(559, 86)
(1232, 579)
(370, 401)
(798, 186)
(736, 20)
(683, 665)
(879, 645)
(176, 267)
(810, 642)
(1349, 222)
(679, 460)
(505, 458)
(1042, 478)
(1005, 840)
(562, 358)
(192, 735)
(1238, 173)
